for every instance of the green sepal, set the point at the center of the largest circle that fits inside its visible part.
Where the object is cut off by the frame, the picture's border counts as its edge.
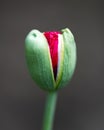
(69, 61)
(38, 60)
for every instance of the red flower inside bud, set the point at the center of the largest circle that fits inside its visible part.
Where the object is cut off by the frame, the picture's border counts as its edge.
(52, 38)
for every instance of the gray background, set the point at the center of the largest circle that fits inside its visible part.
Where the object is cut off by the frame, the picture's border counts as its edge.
(81, 104)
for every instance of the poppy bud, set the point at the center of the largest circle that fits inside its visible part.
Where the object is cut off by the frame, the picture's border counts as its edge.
(51, 58)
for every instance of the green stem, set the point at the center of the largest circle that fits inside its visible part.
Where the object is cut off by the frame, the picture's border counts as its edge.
(49, 111)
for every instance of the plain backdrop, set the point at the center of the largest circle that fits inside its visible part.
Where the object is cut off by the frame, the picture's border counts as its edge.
(81, 103)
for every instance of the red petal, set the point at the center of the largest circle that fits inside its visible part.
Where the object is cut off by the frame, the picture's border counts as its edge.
(52, 38)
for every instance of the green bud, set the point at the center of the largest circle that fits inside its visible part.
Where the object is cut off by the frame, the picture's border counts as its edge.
(39, 60)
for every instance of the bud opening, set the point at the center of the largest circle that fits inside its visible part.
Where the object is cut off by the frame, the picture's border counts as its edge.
(52, 38)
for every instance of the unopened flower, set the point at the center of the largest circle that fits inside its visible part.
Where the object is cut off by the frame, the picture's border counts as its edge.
(51, 58)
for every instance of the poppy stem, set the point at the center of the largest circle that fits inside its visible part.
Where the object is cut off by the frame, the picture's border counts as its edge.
(49, 111)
